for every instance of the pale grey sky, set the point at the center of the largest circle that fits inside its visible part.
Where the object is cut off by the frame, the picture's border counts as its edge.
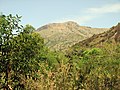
(93, 13)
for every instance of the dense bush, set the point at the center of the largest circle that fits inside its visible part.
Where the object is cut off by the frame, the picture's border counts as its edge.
(93, 69)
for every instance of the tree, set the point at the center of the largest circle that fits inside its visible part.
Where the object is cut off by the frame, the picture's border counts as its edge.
(20, 54)
(28, 29)
(8, 24)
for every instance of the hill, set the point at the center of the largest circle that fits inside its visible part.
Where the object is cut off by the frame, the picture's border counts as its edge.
(99, 57)
(111, 36)
(60, 36)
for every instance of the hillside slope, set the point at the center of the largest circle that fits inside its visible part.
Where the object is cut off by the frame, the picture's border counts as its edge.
(108, 37)
(59, 36)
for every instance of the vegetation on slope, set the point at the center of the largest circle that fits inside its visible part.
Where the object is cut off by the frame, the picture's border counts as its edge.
(91, 69)
(26, 64)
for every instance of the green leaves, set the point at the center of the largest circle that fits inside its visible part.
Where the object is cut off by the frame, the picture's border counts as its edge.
(8, 24)
(28, 29)
(19, 54)
(25, 60)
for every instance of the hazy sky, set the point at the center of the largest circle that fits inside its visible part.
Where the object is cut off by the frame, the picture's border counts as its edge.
(94, 13)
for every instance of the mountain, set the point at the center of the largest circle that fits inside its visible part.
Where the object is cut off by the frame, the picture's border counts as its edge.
(112, 36)
(60, 36)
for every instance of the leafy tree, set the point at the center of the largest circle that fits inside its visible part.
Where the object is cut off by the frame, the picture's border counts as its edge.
(8, 24)
(20, 54)
(28, 29)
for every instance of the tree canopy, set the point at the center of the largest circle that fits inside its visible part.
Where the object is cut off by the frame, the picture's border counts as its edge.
(19, 54)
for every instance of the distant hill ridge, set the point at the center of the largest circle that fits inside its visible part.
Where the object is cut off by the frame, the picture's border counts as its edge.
(110, 36)
(60, 36)
(61, 26)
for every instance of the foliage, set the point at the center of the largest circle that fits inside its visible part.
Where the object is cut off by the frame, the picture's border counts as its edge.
(95, 68)
(20, 54)
(26, 64)
(28, 29)
(8, 24)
